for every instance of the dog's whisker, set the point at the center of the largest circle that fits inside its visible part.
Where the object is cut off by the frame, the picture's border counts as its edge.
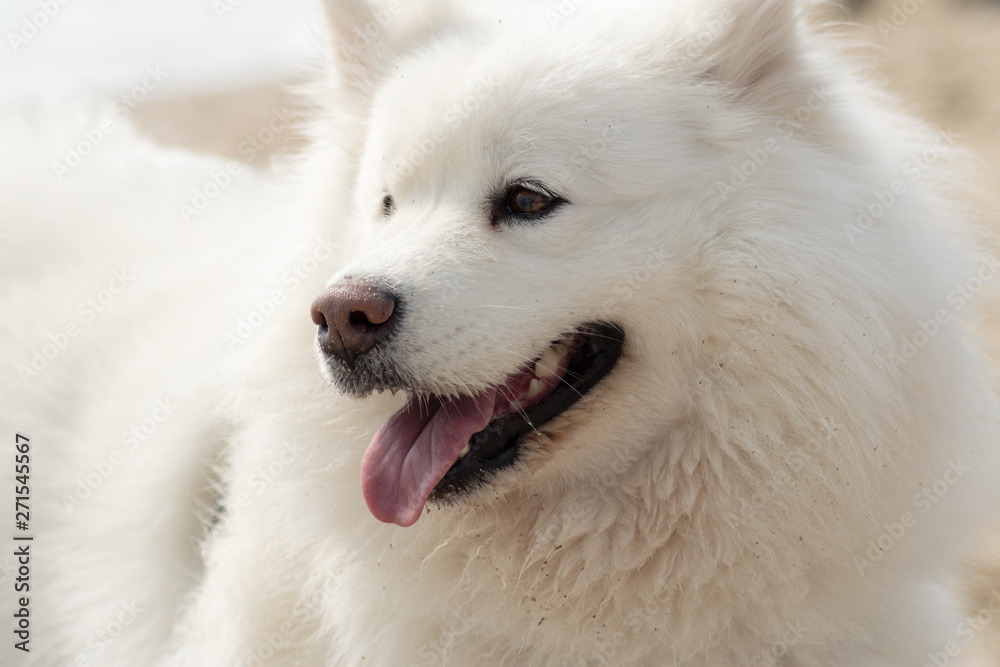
(519, 408)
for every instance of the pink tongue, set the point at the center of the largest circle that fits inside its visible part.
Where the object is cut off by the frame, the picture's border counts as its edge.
(414, 449)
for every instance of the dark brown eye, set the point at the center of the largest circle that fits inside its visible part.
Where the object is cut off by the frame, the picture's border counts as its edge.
(522, 201)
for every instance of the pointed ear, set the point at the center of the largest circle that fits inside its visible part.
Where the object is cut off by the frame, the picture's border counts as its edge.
(360, 38)
(369, 35)
(757, 54)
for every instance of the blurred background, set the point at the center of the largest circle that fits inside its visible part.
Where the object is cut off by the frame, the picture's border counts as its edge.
(198, 73)
(220, 65)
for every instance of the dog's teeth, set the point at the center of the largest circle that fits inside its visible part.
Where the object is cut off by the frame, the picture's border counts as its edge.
(548, 366)
(468, 448)
(535, 389)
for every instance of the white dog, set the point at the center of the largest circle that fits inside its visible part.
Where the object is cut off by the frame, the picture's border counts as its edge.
(643, 335)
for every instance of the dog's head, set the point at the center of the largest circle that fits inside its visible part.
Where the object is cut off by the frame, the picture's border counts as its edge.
(539, 205)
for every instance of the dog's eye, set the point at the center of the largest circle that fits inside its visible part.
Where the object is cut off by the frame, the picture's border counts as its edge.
(388, 206)
(522, 201)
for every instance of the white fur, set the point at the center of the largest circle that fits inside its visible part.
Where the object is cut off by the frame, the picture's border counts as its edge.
(717, 489)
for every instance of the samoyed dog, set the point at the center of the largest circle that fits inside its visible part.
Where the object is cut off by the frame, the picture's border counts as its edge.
(641, 334)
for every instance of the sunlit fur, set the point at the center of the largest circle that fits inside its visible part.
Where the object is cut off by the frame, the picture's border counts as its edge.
(711, 503)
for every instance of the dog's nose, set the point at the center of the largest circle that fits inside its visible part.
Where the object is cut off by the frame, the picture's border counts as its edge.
(352, 316)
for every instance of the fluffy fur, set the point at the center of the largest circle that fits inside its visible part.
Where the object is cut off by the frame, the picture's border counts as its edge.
(723, 498)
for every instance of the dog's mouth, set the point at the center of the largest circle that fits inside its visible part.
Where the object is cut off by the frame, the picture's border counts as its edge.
(438, 447)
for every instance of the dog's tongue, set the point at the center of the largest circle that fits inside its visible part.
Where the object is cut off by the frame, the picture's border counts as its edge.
(414, 449)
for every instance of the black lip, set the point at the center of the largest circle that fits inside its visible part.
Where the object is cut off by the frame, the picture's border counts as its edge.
(498, 445)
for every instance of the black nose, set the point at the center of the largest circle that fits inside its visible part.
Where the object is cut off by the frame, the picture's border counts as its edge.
(353, 317)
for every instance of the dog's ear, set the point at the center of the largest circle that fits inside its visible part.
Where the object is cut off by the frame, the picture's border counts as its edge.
(757, 52)
(369, 35)
(360, 42)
